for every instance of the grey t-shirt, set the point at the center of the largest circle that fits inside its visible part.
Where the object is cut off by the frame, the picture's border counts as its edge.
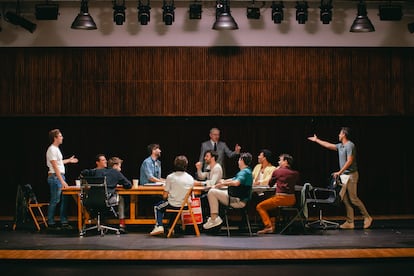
(344, 151)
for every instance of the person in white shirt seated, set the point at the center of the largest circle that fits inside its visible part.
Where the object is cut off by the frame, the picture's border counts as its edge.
(214, 171)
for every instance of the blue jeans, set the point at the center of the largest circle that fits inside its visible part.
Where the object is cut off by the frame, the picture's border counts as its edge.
(55, 198)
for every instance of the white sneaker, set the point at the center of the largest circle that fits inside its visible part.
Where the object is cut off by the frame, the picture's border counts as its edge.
(158, 230)
(212, 223)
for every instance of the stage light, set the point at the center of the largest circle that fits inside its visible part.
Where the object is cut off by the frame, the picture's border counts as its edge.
(410, 27)
(16, 19)
(119, 11)
(144, 14)
(326, 11)
(224, 20)
(195, 10)
(390, 12)
(47, 11)
(277, 12)
(362, 22)
(253, 12)
(168, 13)
(84, 20)
(301, 12)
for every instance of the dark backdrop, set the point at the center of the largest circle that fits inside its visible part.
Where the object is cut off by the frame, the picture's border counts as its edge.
(383, 143)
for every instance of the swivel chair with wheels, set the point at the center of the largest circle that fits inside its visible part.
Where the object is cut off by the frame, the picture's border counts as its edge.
(97, 202)
(319, 197)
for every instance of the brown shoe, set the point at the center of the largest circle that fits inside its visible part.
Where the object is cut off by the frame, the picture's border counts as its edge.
(347, 225)
(267, 230)
(367, 222)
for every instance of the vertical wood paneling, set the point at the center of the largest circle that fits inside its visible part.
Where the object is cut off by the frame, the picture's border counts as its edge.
(199, 81)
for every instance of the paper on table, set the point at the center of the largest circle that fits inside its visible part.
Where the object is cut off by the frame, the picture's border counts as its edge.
(154, 184)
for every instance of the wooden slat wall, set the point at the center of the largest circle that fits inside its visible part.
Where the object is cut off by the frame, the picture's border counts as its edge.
(222, 81)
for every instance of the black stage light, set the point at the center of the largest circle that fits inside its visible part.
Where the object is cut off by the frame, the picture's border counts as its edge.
(390, 12)
(301, 12)
(195, 10)
(410, 27)
(144, 14)
(362, 22)
(47, 11)
(16, 19)
(168, 13)
(84, 20)
(326, 11)
(224, 20)
(277, 12)
(253, 12)
(119, 12)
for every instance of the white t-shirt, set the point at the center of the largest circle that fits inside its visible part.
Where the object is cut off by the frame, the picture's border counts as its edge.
(53, 153)
(177, 185)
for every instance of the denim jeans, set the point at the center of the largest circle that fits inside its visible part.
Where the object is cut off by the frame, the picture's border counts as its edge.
(56, 197)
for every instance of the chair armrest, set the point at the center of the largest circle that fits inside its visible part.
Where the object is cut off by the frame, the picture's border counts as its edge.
(319, 191)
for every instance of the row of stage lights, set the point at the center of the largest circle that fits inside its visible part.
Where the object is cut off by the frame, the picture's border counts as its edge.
(224, 20)
(222, 7)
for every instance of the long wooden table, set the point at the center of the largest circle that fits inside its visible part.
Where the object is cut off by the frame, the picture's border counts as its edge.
(133, 193)
(133, 204)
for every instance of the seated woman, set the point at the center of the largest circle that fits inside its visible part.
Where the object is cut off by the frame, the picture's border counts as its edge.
(285, 178)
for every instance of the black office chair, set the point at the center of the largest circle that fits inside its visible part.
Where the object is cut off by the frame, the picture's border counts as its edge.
(291, 214)
(97, 202)
(319, 197)
(244, 220)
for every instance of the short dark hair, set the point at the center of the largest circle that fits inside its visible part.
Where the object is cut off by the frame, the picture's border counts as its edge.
(268, 154)
(347, 132)
(151, 147)
(246, 157)
(180, 163)
(288, 158)
(98, 157)
(213, 153)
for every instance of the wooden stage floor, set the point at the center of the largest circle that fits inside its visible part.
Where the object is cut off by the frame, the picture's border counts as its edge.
(387, 245)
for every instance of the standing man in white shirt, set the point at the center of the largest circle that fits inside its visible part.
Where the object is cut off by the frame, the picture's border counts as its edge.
(56, 179)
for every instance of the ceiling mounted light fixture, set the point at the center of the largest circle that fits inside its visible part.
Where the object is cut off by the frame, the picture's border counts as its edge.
(168, 13)
(410, 27)
(47, 11)
(390, 12)
(301, 12)
(144, 14)
(224, 20)
(119, 11)
(362, 22)
(195, 10)
(277, 12)
(326, 11)
(84, 20)
(253, 12)
(15, 19)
